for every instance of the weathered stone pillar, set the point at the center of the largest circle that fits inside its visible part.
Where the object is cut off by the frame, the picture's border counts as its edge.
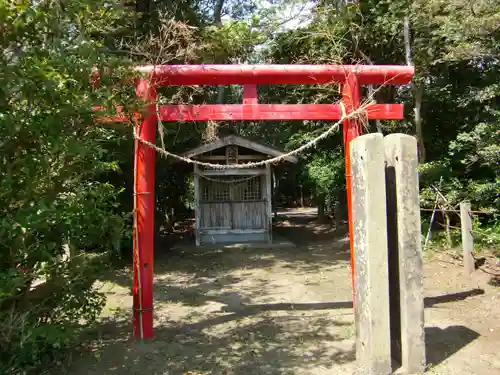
(373, 348)
(405, 252)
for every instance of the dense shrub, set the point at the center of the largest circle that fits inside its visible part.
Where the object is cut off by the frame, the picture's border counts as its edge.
(53, 195)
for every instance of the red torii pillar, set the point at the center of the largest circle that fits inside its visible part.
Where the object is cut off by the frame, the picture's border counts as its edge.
(351, 129)
(144, 205)
(349, 76)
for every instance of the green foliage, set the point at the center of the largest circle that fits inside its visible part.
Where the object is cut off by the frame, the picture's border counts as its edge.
(487, 236)
(53, 188)
(40, 330)
(326, 172)
(232, 41)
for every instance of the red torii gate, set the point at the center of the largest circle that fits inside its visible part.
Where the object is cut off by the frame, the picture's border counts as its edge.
(349, 76)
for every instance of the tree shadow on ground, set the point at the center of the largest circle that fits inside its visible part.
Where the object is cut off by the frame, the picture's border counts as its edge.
(208, 320)
(266, 338)
(317, 246)
(305, 229)
(440, 344)
(248, 341)
(271, 338)
(228, 332)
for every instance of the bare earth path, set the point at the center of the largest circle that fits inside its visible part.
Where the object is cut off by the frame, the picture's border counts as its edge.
(282, 312)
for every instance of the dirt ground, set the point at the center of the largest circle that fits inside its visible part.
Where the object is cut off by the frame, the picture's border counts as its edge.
(287, 312)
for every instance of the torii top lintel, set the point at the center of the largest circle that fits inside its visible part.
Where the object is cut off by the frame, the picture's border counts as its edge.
(164, 75)
(251, 75)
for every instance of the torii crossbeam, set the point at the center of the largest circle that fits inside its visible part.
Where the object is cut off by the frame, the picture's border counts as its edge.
(349, 76)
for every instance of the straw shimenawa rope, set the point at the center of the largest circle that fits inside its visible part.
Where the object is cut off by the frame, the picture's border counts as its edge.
(354, 114)
(232, 181)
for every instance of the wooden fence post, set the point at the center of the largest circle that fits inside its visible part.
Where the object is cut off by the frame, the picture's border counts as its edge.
(373, 347)
(467, 239)
(197, 213)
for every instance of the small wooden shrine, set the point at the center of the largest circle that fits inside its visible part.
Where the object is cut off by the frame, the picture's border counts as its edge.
(233, 205)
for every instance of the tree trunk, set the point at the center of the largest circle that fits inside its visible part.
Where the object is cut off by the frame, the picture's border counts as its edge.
(337, 214)
(276, 185)
(321, 208)
(418, 92)
(218, 22)
(372, 93)
(218, 13)
(340, 208)
(169, 220)
(142, 6)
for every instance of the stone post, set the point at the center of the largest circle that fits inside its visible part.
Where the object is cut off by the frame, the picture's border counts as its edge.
(373, 350)
(405, 252)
